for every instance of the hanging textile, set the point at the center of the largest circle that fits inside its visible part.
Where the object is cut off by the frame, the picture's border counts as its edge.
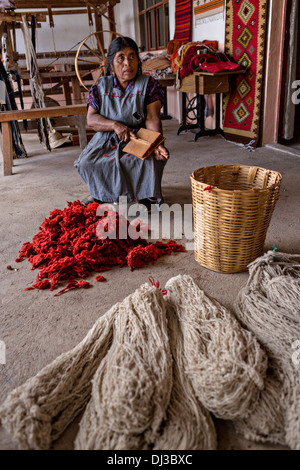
(183, 23)
(289, 105)
(207, 11)
(183, 20)
(37, 92)
(245, 44)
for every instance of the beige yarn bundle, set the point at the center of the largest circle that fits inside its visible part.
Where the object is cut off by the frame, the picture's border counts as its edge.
(37, 412)
(269, 306)
(224, 362)
(188, 425)
(148, 374)
(132, 386)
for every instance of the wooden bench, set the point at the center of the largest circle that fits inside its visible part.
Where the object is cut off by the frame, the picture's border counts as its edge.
(6, 117)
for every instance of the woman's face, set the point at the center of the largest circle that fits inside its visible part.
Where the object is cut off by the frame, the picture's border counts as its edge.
(125, 65)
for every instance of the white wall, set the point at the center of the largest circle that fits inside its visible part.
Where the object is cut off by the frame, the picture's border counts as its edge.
(126, 17)
(210, 31)
(68, 32)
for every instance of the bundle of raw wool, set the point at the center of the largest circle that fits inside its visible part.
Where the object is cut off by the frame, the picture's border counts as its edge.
(131, 388)
(147, 375)
(37, 412)
(188, 425)
(224, 361)
(269, 306)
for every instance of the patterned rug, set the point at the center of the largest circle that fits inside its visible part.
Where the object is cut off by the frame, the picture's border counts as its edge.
(183, 20)
(245, 44)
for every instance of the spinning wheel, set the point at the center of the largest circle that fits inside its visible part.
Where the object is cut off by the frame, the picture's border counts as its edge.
(90, 56)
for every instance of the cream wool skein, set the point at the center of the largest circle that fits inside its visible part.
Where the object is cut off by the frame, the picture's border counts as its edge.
(269, 306)
(152, 369)
(132, 387)
(224, 361)
(188, 425)
(266, 422)
(37, 412)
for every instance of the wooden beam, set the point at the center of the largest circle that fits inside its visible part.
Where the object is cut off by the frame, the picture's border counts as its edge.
(82, 11)
(18, 25)
(14, 17)
(55, 3)
(51, 55)
(69, 74)
(51, 22)
(38, 113)
(6, 117)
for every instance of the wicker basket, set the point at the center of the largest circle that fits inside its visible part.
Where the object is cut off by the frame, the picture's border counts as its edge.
(232, 209)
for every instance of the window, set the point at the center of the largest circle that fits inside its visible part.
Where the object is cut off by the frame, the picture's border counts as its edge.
(154, 24)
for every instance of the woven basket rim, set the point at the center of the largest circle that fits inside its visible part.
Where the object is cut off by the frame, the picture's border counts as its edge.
(230, 191)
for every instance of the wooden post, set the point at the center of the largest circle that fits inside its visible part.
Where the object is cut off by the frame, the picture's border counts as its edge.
(7, 148)
(99, 27)
(112, 23)
(76, 91)
(67, 92)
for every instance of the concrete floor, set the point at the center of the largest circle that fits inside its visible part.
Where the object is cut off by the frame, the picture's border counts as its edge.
(36, 327)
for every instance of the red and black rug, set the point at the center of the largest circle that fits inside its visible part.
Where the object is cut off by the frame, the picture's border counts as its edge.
(183, 20)
(246, 22)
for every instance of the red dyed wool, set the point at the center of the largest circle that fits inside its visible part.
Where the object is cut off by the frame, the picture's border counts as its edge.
(73, 285)
(67, 247)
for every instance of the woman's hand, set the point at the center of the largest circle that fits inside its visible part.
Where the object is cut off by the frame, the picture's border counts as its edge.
(123, 132)
(101, 124)
(161, 153)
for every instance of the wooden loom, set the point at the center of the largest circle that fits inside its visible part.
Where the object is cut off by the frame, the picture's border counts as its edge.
(64, 79)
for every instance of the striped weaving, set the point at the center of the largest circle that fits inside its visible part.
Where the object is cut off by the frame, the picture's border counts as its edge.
(204, 8)
(183, 20)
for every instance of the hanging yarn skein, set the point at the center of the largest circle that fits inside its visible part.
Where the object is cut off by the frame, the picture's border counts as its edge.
(10, 102)
(35, 83)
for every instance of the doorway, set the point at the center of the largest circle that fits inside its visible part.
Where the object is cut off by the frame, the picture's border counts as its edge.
(289, 121)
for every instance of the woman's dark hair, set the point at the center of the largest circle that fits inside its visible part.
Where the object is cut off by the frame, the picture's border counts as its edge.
(117, 45)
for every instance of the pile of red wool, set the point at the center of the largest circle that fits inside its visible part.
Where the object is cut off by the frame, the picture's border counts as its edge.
(67, 247)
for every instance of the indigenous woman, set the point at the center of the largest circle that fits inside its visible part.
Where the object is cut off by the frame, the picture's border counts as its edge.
(123, 101)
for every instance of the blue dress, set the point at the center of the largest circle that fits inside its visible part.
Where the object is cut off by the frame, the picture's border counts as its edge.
(104, 167)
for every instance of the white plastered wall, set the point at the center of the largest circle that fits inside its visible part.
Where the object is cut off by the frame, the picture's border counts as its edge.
(68, 32)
